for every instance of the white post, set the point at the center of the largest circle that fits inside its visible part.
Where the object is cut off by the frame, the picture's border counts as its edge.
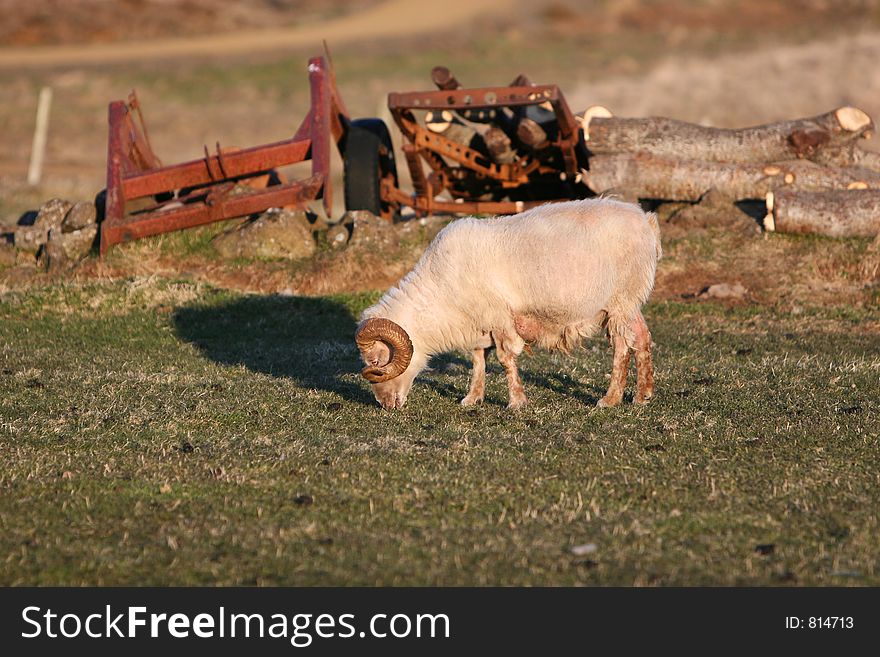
(41, 129)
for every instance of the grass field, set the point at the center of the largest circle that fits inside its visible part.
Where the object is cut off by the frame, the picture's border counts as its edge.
(168, 432)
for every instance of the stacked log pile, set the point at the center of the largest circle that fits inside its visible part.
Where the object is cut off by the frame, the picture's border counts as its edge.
(812, 173)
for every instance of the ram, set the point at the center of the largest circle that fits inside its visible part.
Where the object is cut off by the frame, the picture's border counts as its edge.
(550, 276)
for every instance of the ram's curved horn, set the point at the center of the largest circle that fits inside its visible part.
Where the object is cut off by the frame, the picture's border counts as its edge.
(378, 329)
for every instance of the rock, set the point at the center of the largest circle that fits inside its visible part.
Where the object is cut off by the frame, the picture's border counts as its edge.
(80, 215)
(76, 244)
(319, 224)
(715, 199)
(724, 291)
(666, 211)
(354, 216)
(370, 232)
(728, 217)
(337, 236)
(423, 228)
(29, 239)
(52, 213)
(274, 234)
(714, 209)
(66, 249)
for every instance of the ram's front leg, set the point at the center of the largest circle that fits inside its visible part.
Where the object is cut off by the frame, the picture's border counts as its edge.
(509, 347)
(477, 391)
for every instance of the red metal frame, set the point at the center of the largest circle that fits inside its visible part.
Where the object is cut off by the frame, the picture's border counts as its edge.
(209, 189)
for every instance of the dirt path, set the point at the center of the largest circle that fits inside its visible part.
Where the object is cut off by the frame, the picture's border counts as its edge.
(388, 19)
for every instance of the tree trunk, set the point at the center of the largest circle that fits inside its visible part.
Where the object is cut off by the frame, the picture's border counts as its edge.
(649, 176)
(786, 140)
(854, 213)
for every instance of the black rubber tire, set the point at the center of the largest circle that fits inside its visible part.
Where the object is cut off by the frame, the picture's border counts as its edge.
(365, 164)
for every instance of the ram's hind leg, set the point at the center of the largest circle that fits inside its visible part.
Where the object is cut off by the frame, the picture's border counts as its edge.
(618, 372)
(478, 379)
(508, 348)
(644, 361)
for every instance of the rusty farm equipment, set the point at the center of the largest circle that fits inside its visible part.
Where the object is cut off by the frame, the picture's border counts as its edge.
(145, 198)
(489, 150)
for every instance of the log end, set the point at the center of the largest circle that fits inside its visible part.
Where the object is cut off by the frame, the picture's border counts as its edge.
(769, 221)
(852, 119)
(592, 112)
(587, 180)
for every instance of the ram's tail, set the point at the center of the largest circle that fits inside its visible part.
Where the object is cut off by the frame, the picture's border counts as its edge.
(655, 226)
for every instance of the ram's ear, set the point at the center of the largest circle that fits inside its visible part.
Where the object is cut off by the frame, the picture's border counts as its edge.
(378, 355)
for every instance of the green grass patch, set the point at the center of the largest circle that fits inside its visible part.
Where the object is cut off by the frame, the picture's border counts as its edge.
(161, 432)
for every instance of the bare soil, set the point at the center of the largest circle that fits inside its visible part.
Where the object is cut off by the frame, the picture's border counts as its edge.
(233, 28)
(79, 22)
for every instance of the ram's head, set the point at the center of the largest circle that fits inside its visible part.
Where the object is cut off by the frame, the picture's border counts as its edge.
(387, 352)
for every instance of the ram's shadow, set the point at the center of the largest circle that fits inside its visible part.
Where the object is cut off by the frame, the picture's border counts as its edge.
(446, 364)
(308, 340)
(587, 394)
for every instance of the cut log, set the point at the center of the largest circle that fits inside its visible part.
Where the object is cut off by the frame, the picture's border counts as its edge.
(444, 79)
(649, 176)
(593, 112)
(852, 155)
(806, 138)
(499, 146)
(531, 134)
(522, 80)
(854, 213)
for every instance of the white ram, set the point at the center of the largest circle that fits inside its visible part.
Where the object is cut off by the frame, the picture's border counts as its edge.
(549, 276)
